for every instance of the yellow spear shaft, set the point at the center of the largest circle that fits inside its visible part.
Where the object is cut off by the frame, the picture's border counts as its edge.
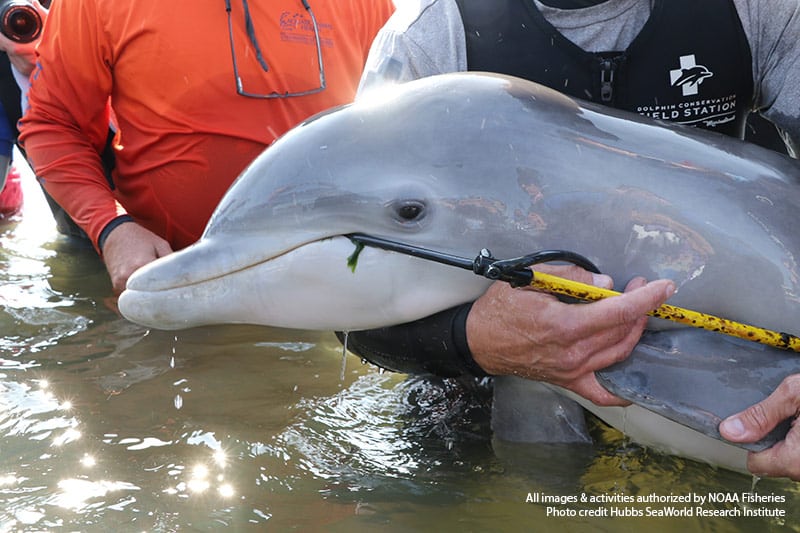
(582, 291)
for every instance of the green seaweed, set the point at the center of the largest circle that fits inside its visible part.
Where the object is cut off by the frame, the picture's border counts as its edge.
(352, 261)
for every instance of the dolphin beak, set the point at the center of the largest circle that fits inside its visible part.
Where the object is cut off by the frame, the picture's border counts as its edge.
(206, 260)
(199, 285)
(311, 286)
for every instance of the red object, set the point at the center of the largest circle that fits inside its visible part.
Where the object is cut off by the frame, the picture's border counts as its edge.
(185, 133)
(11, 195)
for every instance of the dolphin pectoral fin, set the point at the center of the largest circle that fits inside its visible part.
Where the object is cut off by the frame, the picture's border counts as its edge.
(529, 411)
(698, 378)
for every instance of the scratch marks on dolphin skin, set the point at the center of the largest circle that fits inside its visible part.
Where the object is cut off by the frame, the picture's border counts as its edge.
(607, 147)
(528, 180)
(789, 261)
(765, 200)
(680, 252)
(663, 236)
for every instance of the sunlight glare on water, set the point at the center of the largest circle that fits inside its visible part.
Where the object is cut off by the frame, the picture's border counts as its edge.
(105, 425)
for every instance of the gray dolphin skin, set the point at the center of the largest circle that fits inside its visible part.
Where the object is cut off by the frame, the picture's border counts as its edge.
(461, 162)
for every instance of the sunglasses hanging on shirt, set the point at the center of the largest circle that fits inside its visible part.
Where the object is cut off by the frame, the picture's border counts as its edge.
(251, 35)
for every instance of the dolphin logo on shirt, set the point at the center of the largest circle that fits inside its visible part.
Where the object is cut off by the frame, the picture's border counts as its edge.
(692, 76)
(689, 75)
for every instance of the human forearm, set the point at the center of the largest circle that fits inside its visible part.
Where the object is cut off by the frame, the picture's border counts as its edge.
(66, 127)
(76, 180)
(523, 333)
(772, 27)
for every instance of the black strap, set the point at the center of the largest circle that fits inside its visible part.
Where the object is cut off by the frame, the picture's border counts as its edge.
(434, 345)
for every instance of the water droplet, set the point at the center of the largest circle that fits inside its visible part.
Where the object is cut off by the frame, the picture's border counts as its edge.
(344, 356)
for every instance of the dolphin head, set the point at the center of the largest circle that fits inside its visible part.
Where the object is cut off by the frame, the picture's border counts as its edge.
(273, 252)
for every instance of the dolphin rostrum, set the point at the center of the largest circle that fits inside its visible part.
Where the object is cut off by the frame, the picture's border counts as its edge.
(461, 162)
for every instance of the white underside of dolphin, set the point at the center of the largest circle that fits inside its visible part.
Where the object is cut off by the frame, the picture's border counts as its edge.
(648, 429)
(460, 162)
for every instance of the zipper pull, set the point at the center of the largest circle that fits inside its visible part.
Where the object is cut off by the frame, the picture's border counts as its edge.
(607, 68)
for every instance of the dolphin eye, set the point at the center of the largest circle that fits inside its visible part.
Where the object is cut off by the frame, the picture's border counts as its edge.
(409, 210)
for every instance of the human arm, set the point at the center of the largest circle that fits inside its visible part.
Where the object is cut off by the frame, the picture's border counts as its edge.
(522, 332)
(772, 27)
(22, 57)
(19, 61)
(752, 424)
(66, 127)
(422, 38)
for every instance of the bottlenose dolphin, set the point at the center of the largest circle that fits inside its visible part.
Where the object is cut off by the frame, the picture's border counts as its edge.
(460, 162)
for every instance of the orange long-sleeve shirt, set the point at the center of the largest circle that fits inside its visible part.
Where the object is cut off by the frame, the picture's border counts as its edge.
(184, 132)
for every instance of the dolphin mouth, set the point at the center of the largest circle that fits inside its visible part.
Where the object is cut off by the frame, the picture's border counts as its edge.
(180, 269)
(216, 281)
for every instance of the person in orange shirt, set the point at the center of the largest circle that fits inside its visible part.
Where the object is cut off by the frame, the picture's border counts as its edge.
(197, 93)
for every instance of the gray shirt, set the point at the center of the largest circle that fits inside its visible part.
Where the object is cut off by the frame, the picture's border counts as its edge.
(426, 37)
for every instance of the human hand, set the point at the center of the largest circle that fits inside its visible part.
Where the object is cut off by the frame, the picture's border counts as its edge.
(128, 247)
(752, 424)
(23, 55)
(533, 335)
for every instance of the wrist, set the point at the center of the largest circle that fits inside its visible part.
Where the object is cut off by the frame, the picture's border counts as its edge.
(480, 352)
(111, 226)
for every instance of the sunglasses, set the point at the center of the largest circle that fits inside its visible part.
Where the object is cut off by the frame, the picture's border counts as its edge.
(251, 34)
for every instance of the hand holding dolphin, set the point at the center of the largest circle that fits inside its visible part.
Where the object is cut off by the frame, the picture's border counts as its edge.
(128, 247)
(561, 343)
(783, 459)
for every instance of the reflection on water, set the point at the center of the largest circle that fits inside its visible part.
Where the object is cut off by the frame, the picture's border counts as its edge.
(104, 424)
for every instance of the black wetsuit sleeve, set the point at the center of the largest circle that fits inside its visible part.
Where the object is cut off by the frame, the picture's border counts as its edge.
(433, 345)
(9, 94)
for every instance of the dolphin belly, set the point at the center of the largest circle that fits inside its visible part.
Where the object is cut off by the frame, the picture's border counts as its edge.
(651, 430)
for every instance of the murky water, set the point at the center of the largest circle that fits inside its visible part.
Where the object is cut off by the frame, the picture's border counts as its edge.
(105, 425)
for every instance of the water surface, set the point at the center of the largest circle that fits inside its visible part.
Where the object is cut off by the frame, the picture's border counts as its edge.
(106, 425)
